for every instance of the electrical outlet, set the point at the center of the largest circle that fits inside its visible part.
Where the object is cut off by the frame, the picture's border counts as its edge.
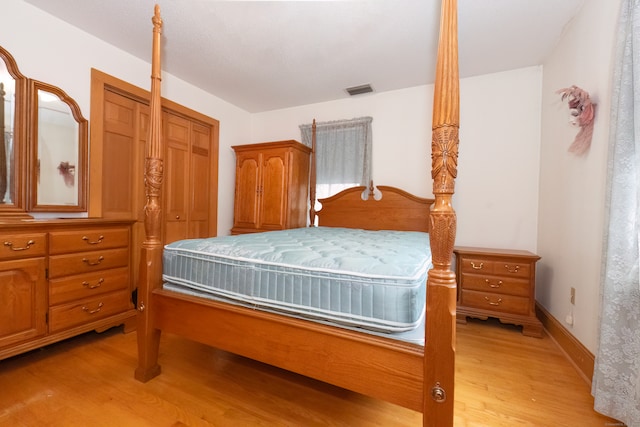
(573, 295)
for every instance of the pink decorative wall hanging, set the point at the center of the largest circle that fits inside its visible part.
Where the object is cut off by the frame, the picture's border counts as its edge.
(582, 112)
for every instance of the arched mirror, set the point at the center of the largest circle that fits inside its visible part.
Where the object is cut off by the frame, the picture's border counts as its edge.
(58, 157)
(13, 97)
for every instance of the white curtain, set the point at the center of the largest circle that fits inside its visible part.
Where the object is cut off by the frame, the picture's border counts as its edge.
(616, 380)
(343, 154)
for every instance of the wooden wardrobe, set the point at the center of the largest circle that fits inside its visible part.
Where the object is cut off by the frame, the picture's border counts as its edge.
(272, 186)
(120, 120)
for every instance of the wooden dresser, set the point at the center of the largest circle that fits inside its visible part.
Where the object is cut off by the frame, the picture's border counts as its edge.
(498, 283)
(272, 186)
(60, 278)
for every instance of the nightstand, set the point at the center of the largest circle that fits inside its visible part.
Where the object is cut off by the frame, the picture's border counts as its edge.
(497, 283)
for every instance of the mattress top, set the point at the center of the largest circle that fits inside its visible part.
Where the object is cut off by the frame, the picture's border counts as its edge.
(383, 254)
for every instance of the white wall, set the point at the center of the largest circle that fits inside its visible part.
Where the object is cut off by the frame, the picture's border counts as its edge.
(48, 49)
(572, 188)
(497, 187)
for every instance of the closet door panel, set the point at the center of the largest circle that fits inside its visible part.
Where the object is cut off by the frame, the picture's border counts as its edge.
(119, 152)
(177, 133)
(200, 182)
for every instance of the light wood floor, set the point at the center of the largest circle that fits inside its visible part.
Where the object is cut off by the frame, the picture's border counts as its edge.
(503, 379)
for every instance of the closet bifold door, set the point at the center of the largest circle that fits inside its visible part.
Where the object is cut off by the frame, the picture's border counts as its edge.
(187, 169)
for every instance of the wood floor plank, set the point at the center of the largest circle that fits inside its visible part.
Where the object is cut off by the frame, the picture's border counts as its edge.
(502, 379)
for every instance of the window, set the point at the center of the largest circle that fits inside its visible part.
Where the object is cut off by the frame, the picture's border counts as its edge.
(343, 154)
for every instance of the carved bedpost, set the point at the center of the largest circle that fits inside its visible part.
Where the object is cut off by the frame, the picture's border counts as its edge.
(151, 253)
(440, 333)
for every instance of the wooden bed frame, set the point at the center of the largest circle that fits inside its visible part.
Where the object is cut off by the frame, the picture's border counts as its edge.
(413, 376)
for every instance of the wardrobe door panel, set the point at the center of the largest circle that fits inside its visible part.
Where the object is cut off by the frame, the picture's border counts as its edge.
(273, 189)
(246, 208)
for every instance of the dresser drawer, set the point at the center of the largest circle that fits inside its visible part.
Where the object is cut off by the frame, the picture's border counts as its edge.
(496, 284)
(481, 265)
(76, 313)
(495, 302)
(22, 245)
(89, 239)
(87, 285)
(77, 263)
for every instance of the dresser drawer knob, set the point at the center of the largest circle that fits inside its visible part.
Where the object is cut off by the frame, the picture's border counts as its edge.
(478, 266)
(90, 286)
(96, 262)
(94, 311)
(493, 285)
(512, 269)
(493, 302)
(24, 248)
(93, 242)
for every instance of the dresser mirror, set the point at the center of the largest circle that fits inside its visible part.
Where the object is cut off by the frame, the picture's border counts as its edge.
(13, 95)
(59, 153)
(40, 120)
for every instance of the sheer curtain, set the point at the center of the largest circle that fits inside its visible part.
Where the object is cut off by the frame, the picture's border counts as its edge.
(616, 379)
(343, 154)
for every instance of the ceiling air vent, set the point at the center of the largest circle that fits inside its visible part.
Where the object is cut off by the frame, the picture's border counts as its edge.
(359, 90)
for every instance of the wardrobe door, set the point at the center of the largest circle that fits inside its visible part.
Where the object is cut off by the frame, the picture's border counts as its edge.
(273, 189)
(247, 195)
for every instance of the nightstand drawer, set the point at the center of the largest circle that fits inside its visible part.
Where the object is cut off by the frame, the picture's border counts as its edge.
(495, 284)
(495, 267)
(70, 288)
(495, 302)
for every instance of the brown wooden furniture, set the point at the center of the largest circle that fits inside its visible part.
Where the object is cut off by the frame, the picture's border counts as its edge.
(272, 182)
(498, 283)
(420, 378)
(119, 130)
(60, 278)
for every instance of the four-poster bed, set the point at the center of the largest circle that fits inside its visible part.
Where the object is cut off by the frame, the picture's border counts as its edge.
(419, 377)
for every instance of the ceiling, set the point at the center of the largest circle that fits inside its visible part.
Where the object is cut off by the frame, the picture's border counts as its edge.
(266, 55)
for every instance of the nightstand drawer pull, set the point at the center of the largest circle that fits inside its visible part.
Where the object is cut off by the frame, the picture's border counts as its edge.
(89, 262)
(10, 246)
(85, 308)
(93, 242)
(90, 286)
(493, 302)
(477, 267)
(512, 270)
(494, 285)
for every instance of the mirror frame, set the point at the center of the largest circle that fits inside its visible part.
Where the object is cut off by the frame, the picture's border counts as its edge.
(17, 207)
(81, 175)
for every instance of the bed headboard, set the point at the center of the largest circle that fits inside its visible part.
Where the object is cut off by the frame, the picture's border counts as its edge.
(396, 210)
